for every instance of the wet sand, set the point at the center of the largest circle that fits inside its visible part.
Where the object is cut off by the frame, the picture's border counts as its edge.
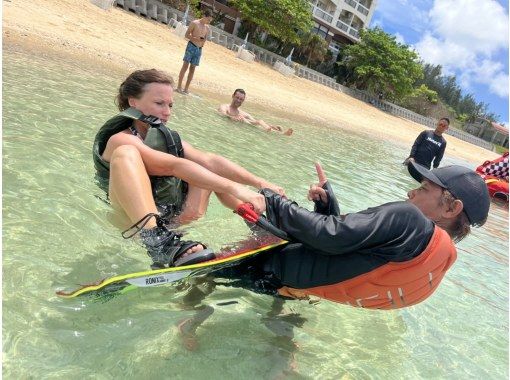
(119, 42)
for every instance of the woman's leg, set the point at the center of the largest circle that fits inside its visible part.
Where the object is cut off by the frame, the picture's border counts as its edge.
(130, 190)
(197, 201)
(195, 206)
(229, 201)
(130, 187)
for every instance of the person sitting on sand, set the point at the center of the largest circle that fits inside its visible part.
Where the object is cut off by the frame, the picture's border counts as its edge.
(152, 175)
(234, 113)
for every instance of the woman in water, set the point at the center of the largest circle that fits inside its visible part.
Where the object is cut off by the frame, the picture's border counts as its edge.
(152, 175)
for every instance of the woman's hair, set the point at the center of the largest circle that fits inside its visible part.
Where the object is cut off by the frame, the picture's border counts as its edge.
(460, 227)
(134, 85)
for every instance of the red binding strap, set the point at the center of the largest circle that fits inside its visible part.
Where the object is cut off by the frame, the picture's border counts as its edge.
(247, 212)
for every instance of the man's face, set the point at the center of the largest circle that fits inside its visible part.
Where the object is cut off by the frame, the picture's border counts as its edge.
(442, 126)
(427, 198)
(238, 99)
(207, 20)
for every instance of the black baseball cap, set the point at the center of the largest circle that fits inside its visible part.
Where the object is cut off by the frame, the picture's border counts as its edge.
(464, 184)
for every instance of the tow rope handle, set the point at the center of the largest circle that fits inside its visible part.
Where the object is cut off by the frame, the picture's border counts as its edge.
(247, 212)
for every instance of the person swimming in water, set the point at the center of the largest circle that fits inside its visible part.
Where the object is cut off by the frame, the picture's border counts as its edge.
(234, 112)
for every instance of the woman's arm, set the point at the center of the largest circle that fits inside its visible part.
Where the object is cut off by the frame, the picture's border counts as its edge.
(162, 164)
(226, 168)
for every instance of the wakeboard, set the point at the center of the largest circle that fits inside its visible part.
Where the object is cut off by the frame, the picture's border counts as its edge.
(110, 287)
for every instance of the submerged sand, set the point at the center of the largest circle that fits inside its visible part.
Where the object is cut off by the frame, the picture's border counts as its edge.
(119, 42)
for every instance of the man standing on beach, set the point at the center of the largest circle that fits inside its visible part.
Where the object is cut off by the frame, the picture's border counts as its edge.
(234, 113)
(196, 34)
(428, 146)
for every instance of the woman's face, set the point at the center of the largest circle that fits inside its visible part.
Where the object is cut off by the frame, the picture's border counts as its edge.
(156, 100)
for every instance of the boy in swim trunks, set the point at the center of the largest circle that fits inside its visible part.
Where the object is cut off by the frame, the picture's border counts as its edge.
(196, 34)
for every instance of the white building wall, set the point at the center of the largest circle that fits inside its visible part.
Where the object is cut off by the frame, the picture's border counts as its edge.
(327, 12)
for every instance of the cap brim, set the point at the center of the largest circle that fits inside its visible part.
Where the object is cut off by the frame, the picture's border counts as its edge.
(421, 173)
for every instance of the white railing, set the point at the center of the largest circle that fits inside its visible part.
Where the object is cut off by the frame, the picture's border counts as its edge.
(342, 26)
(347, 28)
(321, 13)
(358, 6)
(354, 32)
(352, 3)
(362, 9)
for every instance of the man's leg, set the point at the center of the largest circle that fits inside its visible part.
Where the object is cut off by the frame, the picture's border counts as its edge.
(184, 67)
(190, 77)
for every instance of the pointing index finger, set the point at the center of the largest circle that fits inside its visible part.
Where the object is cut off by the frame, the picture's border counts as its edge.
(320, 173)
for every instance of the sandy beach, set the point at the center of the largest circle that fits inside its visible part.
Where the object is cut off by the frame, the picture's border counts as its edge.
(119, 42)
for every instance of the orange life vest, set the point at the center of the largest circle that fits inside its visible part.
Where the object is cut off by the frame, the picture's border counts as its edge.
(393, 285)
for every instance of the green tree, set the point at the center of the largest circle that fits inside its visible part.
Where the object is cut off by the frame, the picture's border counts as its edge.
(279, 18)
(312, 47)
(382, 65)
(421, 100)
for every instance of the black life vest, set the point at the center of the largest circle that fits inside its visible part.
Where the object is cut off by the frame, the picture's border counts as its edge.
(167, 191)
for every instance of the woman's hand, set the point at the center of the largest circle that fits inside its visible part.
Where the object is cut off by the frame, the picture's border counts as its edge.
(246, 195)
(316, 192)
(271, 186)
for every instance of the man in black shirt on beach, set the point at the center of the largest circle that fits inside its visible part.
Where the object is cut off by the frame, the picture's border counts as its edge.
(428, 146)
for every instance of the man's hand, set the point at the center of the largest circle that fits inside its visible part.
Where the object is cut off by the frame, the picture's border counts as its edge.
(316, 192)
(408, 160)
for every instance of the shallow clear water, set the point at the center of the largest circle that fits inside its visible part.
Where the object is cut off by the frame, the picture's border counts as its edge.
(57, 233)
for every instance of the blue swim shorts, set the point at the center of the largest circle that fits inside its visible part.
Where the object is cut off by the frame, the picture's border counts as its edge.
(192, 54)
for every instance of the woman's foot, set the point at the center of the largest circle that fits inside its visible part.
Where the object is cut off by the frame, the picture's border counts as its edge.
(167, 250)
(164, 246)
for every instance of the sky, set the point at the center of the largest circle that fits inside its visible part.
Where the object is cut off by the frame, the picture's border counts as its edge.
(468, 38)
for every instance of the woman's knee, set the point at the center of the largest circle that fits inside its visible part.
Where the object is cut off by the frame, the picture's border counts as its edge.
(125, 154)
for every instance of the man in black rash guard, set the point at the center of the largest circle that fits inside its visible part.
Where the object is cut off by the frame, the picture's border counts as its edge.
(384, 257)
(429, 146)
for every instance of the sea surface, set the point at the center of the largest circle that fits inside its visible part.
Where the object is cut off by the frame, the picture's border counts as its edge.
(58, 233)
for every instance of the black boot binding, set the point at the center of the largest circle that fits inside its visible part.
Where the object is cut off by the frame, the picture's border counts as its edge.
(165, 246)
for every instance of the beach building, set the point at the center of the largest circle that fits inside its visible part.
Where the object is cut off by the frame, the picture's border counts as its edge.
(337, 21)
(488, 131)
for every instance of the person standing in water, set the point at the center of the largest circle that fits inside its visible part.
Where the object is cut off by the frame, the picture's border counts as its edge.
(196, 34)
(429, 146)
(234, 112)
